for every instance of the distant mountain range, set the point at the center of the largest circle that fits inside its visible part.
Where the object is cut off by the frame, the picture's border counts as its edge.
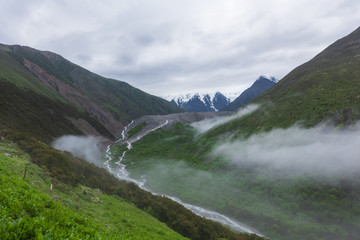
(200, 102)
(213, 102)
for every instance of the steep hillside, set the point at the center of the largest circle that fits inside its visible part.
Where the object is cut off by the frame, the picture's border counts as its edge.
(325, 88)
(261, 84)
(65, 212)
(108, 104)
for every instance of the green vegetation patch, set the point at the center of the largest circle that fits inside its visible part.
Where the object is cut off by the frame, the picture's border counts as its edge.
(72, 171)
(136, 129)
(281, 205)
(40, 116)
(29, 210)
(27, 213)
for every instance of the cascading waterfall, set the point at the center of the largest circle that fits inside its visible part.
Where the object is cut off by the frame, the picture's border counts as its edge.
(121, 173)
(123, 133)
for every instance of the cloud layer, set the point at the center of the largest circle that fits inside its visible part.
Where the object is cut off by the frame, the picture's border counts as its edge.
(86, 147)
(166, 47)
(319, 151)
(207, 124)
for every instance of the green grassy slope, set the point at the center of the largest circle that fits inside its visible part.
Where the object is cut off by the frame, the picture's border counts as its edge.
(66, 169)
(40, 116)
(325, 88)
(281, 205)
(29, 210)
(13, 70)
(119, 97)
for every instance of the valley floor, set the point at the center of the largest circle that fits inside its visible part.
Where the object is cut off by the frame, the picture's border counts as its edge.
(282, 205)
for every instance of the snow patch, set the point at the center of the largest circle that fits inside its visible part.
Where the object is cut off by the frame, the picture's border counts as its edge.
(268, 77)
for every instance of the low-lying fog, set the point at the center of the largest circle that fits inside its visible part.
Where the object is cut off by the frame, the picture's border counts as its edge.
(207, 124)
(321, 153)
(320, 150)
(86, 147)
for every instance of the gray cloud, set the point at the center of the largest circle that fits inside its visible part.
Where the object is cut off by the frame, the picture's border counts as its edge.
(207, 124)
(181, 46)
(86, 147)
(321, 151)
(84, 59)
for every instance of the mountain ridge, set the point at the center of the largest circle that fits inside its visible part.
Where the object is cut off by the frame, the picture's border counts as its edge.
(200, 102)
(261, 84)
(109, 102)
(217, 101)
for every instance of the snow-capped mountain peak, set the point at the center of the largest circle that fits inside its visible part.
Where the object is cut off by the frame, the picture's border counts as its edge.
(216, 101)
(200, 102)
(268, 77)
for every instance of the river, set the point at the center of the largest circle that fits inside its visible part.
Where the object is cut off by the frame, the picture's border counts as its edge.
(120, 172)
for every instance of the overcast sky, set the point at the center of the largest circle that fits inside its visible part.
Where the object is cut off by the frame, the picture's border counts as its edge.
(179, 46)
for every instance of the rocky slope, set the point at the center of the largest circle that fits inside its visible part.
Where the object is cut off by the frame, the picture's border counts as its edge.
(108, 104)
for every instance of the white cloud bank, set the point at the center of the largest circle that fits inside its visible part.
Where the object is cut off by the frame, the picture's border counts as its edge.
(86, 147)
(207, 124)
(322, 150)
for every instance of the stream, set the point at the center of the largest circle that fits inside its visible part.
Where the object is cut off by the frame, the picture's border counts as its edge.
(120, 172)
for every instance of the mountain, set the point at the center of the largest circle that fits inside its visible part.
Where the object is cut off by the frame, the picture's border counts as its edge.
(44, 96)
(200, 102)
(261, 84)
(35, 83)
(326, 88)
(286, 165)
(214, 102)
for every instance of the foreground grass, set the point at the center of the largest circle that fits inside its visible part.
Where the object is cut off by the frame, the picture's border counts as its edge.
(29, 210)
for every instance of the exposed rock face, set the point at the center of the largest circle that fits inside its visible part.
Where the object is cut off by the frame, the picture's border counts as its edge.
(82, 100)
